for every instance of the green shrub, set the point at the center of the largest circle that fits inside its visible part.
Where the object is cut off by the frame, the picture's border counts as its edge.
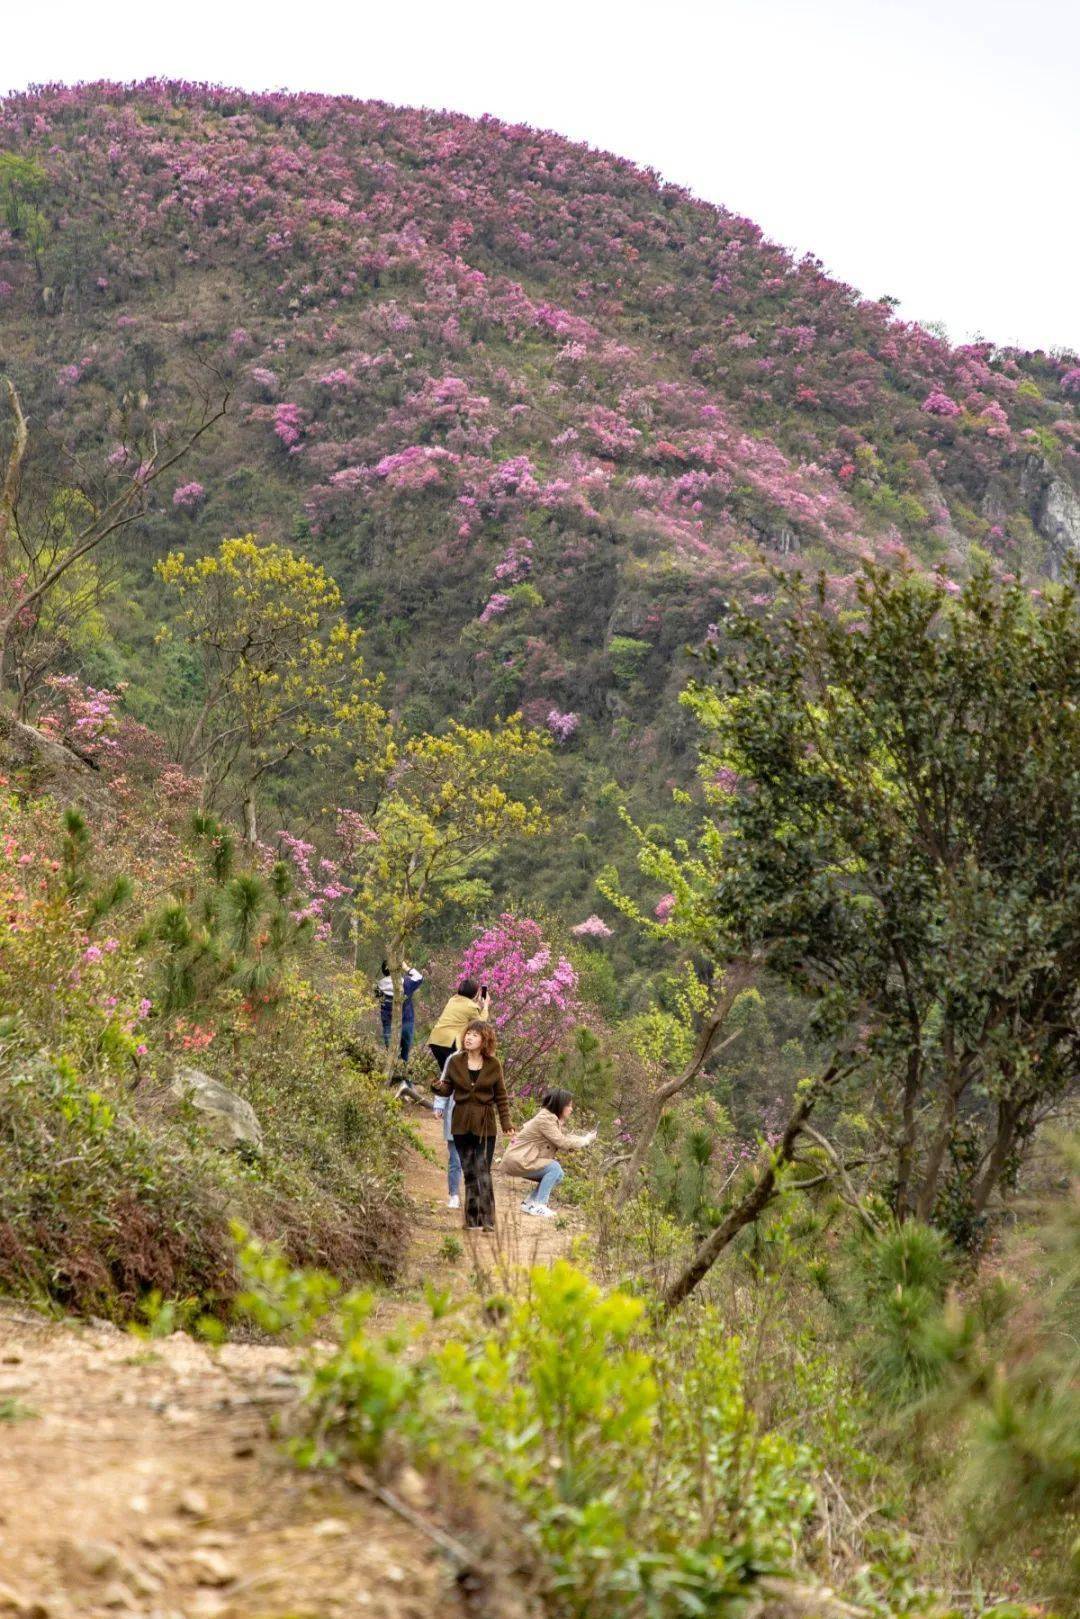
(107, 1197)
(637, 1476)
(626, 655)
(96, 1211)
(899, 1281)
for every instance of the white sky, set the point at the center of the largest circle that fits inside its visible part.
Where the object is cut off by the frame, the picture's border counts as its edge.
(926, 150)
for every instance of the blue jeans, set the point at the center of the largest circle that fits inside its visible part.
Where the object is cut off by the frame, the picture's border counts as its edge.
(453, 1169)
(548, 1178)
(407, 1032)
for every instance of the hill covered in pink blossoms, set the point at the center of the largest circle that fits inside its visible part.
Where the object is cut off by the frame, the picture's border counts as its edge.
(539, 413)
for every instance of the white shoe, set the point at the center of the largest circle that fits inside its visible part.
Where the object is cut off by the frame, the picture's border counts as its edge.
(528, 1207)
(453, 1202)
(542, 1209)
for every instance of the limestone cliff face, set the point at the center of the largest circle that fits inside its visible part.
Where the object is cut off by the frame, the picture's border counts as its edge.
(1055, 511)
(39, 765)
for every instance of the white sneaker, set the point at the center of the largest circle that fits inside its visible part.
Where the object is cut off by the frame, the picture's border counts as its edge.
(542, 1209)
(453, 1202)
(528, 1207)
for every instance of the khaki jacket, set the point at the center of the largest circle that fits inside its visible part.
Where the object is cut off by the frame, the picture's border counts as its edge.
(454, 1019)
(538, 1143)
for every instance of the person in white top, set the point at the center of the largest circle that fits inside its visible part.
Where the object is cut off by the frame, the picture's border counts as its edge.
(533, 1153)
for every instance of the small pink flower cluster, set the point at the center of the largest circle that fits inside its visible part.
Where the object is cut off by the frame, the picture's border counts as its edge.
(288, 424)
(188, 497)
(562, 726)
(318, 880)
(938, 403)
(417, 467)
(496, 604)
(352, 832)
(516, 562)
(593, 927)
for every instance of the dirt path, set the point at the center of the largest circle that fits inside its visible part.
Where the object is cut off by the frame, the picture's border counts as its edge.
(444, 1254)
(142, 1478)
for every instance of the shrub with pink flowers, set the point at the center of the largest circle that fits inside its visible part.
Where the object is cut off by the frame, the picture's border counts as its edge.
(593, 927)
(562, 726)
(289, 424)
(320, 884)
(535, 1004)
(188, 497)
(496, 604)
(938, 403)
(81, 714)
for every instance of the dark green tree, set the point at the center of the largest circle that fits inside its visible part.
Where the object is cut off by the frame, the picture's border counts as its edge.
(897, 790)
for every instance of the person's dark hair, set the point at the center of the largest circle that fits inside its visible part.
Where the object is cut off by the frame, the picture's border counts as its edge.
(556, 1101)
(487, 1037)
(469, 987)
(386, 969)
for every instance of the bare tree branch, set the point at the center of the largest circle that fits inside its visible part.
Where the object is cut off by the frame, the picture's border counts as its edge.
(9, 497)
(123, 509)
(736, 979)
(759, 1196)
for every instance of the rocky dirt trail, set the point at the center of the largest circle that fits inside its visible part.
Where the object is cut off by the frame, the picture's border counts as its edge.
(142, 1478)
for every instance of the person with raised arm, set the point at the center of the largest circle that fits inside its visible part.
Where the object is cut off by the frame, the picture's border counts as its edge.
(471, 1004)
(534, 1152)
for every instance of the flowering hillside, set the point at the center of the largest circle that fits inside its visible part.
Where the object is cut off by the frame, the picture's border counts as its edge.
(539, 412)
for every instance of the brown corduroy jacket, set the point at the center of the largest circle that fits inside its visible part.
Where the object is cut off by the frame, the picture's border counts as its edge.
(478, 1096)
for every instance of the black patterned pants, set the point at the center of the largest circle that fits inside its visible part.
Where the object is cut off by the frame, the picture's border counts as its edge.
(476, 1153)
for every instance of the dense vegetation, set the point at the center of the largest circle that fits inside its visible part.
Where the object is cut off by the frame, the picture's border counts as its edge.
(365, 475)
(536, 412)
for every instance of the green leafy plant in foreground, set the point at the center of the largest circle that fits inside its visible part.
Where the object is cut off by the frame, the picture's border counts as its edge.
(638, 1476)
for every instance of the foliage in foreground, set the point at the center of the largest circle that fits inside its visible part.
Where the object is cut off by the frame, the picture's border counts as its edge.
(634, 1474)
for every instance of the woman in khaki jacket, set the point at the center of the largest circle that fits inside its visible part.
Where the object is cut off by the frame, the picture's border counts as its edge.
(533, 1154)
(469, 1005)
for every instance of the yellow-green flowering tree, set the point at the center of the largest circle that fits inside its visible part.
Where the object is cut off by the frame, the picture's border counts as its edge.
(448, 804)
(281, 671)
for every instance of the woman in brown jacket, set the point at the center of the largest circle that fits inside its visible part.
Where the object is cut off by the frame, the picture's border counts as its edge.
(474, 1078)
(533, 1154)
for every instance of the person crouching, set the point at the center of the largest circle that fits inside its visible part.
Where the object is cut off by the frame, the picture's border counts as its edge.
(533, 1153)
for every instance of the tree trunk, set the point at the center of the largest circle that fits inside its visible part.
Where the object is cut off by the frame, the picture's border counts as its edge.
(906, 1155)
(756, 1200)
(1005, 1136)
(924, 1205)
(735, 981)
(251, 831)
(9, 493)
